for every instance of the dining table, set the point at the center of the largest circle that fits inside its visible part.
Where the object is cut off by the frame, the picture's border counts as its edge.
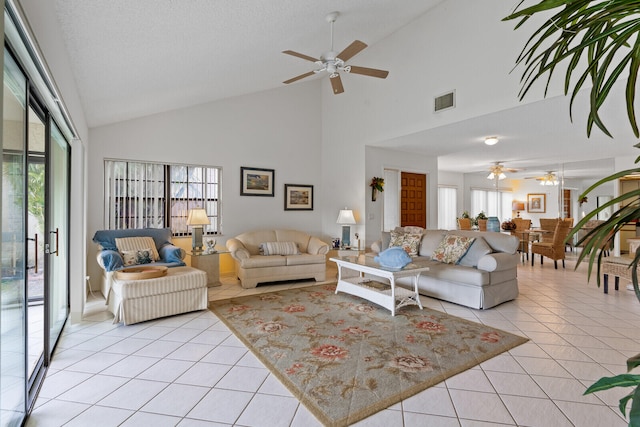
(527, 237)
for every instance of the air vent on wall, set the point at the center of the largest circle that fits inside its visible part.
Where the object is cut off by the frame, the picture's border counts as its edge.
(445, 101)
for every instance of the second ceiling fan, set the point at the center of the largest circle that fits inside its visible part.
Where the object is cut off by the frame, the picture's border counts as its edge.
(334, 63)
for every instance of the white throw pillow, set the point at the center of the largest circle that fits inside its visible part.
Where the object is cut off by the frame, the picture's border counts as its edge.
(279, 248)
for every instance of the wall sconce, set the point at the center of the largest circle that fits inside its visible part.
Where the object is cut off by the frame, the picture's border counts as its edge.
(196, 219)
(346, 218)
(517, 206)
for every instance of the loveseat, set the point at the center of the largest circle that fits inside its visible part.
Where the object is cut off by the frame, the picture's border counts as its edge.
(276, 255)
(485, 276)
(182, 289)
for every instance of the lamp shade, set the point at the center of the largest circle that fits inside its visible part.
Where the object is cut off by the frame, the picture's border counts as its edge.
(346, 217)
(197, 216)
(517, 206)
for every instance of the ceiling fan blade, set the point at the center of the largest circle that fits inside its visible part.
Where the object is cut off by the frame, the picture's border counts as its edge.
(300, 55)
(352, 50)
(301, 76)
(336, 84)
(381, 74)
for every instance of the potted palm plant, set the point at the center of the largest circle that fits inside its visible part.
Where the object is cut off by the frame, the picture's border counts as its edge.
(598, 42)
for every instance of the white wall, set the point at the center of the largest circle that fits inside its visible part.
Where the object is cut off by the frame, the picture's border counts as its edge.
(278, 129)
(378, 159)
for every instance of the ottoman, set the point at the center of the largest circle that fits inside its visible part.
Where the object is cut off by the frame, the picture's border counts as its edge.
(182, 290)
(617, 267)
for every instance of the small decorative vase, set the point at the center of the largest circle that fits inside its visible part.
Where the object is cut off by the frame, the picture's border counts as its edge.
(374, 194)
(493, 224)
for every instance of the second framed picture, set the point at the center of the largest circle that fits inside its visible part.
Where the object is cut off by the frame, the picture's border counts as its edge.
(298, 197)
(536, 203)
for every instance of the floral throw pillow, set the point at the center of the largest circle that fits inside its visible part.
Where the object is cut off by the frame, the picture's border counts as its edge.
(409, 242)
(135, 257)
(452, 248)
(397, 239)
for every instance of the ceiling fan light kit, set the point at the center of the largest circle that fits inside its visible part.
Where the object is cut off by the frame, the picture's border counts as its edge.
(334, 63)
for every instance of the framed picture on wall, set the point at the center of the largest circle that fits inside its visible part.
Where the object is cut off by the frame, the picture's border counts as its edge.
(256, 181)
(298, 197)
(536, 203)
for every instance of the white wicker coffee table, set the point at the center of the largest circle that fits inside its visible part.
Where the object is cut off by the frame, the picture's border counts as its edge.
(363, 277)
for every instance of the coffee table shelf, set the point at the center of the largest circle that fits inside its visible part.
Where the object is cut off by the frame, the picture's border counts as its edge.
(381, 288)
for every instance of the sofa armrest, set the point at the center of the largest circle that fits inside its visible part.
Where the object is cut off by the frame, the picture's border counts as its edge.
(110, 260)
(498, 261)
(238, 250)
(317, 246)
(171, 254)
(377, 246)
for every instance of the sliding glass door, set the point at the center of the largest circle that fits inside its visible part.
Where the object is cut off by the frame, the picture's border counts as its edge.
(58, 233)
(13, 335)
(34, 293)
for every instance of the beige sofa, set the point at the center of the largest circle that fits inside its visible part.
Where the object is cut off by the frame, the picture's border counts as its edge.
(252, 267)
(485, 277)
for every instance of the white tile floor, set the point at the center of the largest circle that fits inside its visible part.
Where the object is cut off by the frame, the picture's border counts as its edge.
(189, 370)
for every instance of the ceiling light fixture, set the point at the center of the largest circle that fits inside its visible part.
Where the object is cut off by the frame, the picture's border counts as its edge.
(549, 179)
(491, 140)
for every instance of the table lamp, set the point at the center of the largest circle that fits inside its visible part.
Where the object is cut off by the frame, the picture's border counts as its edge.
(196, 219)
(345, 218)
(517, 206)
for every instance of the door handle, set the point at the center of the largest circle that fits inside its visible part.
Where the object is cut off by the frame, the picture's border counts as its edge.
(48, 247)
(35, 240)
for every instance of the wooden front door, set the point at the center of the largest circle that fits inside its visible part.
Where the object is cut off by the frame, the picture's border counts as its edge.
(413, 200)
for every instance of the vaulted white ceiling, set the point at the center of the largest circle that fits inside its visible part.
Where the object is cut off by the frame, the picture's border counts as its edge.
(136, 58)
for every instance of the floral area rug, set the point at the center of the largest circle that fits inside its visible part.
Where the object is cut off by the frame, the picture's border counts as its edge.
(345, 358)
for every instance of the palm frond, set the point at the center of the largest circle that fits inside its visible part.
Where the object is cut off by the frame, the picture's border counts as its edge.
(604, 33)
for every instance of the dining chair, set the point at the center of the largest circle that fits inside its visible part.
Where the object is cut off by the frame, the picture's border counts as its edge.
(554, 249)
(548, 226)
(522, 225)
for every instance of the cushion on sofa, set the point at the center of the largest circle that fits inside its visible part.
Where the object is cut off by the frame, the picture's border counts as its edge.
(106, 239)
(279, 248)
(430, 241)
(137, 256)
(297, 236)
(259, 261)
(305, 259)
(138, 243)
(452, 248)
(409, 242)
(478, 249)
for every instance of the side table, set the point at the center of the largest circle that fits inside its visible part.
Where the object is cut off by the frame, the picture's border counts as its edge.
(209, 263)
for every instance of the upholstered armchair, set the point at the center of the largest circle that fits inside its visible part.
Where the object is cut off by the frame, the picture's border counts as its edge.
(554, 249)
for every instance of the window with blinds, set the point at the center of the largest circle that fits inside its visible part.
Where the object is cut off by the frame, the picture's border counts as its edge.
(492, 203)
(447, 207)
(154, 195)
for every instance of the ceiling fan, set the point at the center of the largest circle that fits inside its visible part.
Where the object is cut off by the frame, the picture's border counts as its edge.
(497, 171)
(550, 178)
(334, 63)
